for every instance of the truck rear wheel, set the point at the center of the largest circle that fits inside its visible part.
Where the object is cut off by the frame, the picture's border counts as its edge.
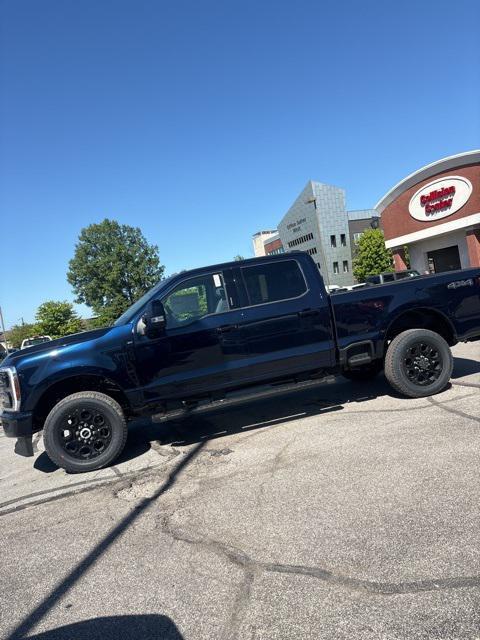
(85, 431)
(418, 363)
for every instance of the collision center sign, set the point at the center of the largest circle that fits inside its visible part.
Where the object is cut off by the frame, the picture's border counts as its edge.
(440, 198)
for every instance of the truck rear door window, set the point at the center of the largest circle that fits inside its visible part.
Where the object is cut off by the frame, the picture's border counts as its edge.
(273, 281)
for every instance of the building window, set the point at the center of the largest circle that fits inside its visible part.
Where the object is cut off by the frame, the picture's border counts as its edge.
(343, 240)
(301, 240)
(312, 251)
(345, 266)
(333, 241)
(335, 267)
(318, 265)
(356, 236)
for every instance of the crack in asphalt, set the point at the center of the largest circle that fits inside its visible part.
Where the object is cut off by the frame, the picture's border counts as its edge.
(456, 412)
(76, 488)
(240, 606)
(253, 568)
(274, 466)
(378, 588)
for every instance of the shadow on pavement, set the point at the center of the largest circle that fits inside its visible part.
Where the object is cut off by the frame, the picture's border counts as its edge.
(465, 367)
(293, 405)
(98, 550)
(259, 414)
(138, 627)
(44, 464)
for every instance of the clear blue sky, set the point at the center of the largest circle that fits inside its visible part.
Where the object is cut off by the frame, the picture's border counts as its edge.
(201, 121)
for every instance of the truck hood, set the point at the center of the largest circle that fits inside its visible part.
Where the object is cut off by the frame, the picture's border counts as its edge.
(76, 338)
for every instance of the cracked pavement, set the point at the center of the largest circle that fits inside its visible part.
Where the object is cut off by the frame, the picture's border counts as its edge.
(338, 512)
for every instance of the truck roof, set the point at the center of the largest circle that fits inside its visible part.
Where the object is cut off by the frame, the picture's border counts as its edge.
(236, 263)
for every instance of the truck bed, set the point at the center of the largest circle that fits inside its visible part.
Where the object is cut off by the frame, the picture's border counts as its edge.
(453, 297)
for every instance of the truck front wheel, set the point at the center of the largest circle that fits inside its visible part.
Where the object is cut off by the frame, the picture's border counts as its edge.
(85, 431)
(418, 363)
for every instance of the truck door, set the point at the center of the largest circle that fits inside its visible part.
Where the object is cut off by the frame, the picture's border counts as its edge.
(201, 345)
(286, 324)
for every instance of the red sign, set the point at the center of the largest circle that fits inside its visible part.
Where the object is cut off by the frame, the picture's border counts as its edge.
(439, 196)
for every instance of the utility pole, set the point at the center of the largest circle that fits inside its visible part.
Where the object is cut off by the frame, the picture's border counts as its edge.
(3, 330)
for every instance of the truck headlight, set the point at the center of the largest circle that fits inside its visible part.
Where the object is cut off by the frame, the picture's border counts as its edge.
(10, 396)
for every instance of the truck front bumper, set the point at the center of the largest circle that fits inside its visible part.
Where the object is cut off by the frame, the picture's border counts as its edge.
(19, 424)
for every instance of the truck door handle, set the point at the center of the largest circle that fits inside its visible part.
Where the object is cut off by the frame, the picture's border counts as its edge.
(307, 313)
(226, 328)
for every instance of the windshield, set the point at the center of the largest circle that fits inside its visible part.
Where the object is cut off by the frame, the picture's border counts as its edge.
(131, 312)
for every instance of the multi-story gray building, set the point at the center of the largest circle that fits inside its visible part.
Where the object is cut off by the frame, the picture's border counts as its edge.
(317, 222)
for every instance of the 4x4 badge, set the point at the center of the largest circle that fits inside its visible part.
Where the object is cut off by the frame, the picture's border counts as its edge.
(460, 283)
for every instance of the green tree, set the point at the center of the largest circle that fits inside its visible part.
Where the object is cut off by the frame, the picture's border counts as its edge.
(238, 258)
(18, 332)
(407, 256)
(372, 255)
(57, 319)
(112, 267)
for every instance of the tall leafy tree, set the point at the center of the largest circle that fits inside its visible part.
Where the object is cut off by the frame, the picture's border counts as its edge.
(372, 256)
(57, 319)
(113, 266)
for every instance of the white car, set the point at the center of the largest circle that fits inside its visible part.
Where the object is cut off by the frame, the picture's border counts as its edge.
(31, 342)
(352, 287)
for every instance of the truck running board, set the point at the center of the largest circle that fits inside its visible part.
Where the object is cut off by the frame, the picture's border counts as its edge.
(238, 398)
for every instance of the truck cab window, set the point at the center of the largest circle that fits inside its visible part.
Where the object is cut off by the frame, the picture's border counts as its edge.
(274, 281)
(194, 299)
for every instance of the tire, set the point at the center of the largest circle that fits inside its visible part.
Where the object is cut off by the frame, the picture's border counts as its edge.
(363, 374)
(85, 431)
(418, 363)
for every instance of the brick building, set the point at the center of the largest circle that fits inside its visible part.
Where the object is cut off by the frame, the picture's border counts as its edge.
(435, 212)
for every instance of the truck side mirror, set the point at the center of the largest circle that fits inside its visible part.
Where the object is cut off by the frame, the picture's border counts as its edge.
(154, 319)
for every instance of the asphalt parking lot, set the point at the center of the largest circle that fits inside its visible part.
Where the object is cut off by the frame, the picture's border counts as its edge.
(341, 511)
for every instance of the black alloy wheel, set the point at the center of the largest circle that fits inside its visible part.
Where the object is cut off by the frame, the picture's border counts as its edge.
(418, 363)
(85, 431)
(423, 363)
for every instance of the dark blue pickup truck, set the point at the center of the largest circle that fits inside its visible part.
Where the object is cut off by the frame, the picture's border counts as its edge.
(199, 335)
